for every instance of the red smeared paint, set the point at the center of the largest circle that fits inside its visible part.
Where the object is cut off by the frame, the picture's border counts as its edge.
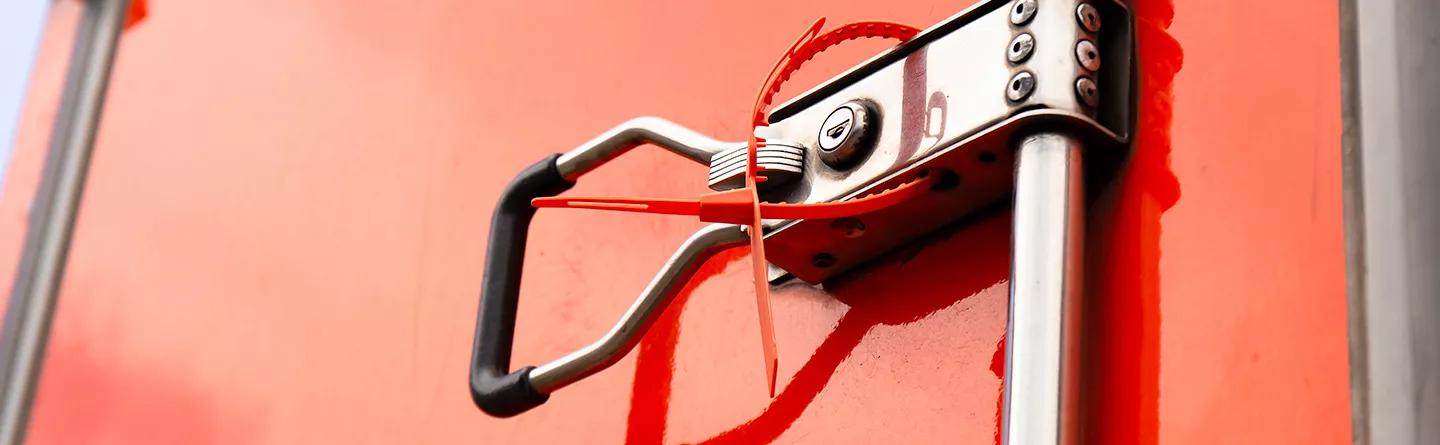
(83, 385)
(997, 366)
(1122, 353)
(655, 360)
(872, 297)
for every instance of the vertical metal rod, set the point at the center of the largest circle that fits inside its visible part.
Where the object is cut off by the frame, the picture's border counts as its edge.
(1042, 340)
(52, 214)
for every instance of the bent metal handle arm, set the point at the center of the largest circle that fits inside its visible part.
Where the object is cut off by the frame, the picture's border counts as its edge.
(494, 388)
(658, 295)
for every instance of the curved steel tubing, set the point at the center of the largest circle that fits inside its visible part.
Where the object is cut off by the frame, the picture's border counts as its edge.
(662, 290)
(503, 392)
(633, 133)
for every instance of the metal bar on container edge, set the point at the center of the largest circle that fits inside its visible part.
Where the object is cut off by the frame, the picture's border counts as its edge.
(31, 308)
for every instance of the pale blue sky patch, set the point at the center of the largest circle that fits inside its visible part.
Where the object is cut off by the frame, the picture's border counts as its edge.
(21, 23)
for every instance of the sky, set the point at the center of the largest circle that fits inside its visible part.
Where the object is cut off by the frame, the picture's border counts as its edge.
(21, 22)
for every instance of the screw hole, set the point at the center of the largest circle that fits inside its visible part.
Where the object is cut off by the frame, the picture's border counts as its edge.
(848, 227)
(1090, 54)
(987, 157)
(823, 260)
(948, 180)
(1016, 48)
(1015, 85)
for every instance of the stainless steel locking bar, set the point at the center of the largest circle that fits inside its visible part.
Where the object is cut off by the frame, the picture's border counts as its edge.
(1042, 338)
(52, 213)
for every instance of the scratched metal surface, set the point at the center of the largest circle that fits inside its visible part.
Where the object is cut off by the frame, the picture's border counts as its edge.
(282, 237)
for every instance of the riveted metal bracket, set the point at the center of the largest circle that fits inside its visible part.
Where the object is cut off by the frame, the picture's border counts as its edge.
(954, 100)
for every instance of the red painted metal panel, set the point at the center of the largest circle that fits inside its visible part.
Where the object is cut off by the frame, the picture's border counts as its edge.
(282, 235)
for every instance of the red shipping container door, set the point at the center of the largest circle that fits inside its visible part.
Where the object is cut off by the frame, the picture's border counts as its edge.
(283, 231)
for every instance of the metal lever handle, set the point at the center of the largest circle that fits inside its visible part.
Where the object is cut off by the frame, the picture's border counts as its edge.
(494, 388)
(503, 395)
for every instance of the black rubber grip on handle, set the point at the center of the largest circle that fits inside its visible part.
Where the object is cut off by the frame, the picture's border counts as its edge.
(496, 390)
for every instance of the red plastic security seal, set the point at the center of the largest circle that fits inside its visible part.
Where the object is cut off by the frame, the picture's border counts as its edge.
(735, 206)
(805, 48)
(743, 206)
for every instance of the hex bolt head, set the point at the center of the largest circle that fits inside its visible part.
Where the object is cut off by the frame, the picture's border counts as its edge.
(1088, 55)
(845, 135)
(1020, 48)
(1088, 91)
(1022, 12)
(1088, 16)
(1020, 86)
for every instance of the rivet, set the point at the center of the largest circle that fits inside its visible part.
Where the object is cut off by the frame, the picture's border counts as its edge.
(1020, 48)
(1088, 55)
(1022, 12)
(1089, 17)
(1088, 91)
(1020, 86)
(848, 227)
